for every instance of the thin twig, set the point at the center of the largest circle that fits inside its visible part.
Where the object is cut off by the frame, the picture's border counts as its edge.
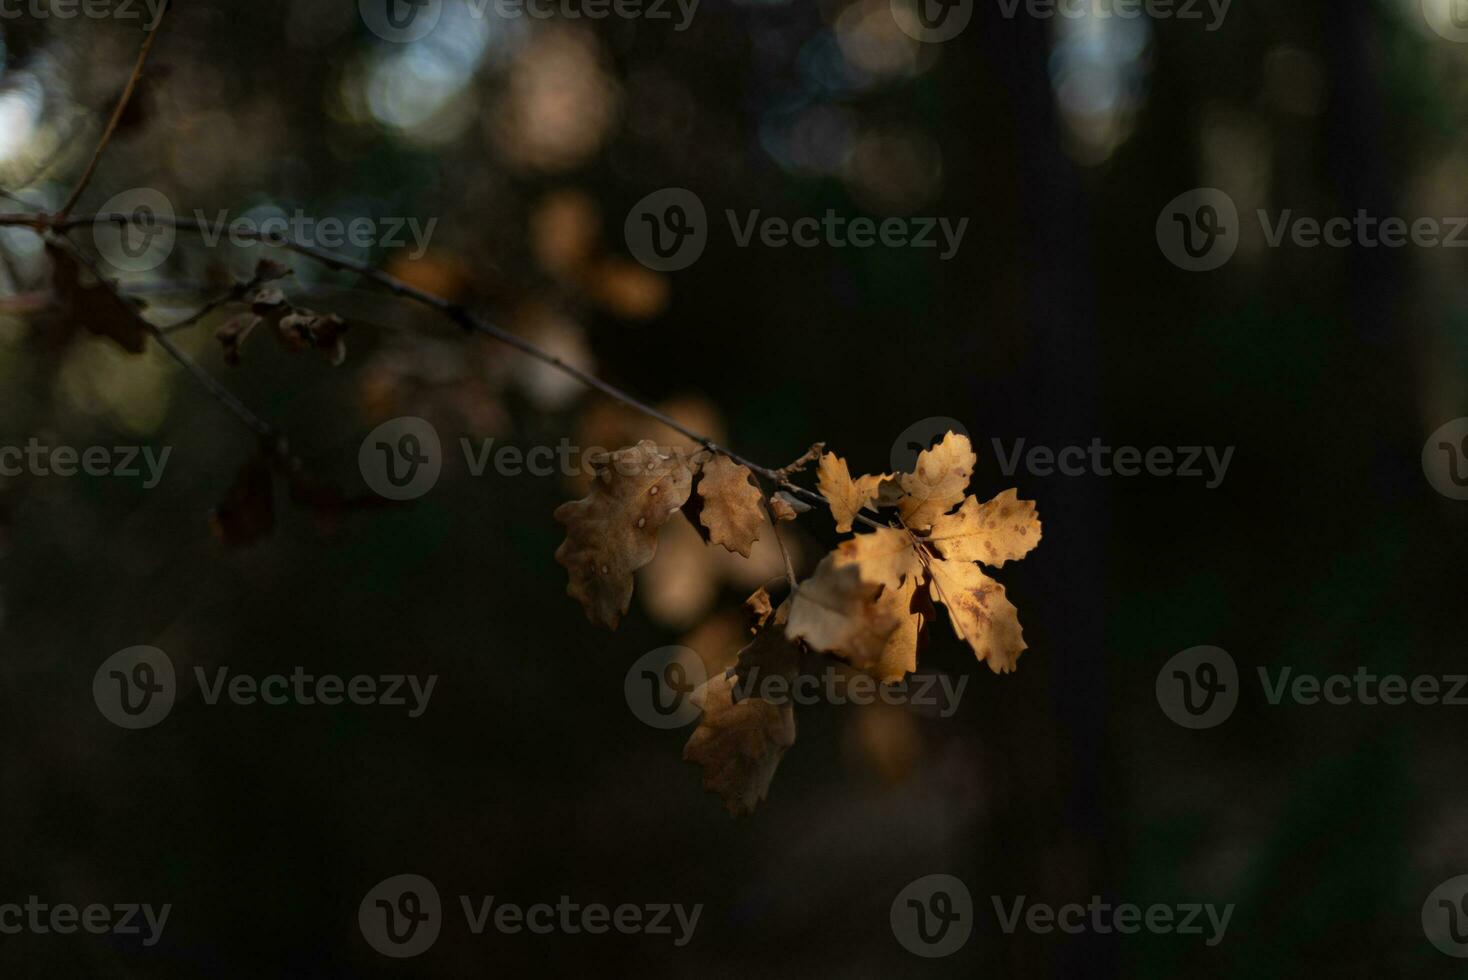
(225, 397)
(460, 315)
(775, 526)
(127, 94)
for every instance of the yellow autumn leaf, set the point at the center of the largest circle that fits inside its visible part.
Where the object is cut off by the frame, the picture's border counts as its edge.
(885, 556)
(938, 482)
(899, 652)
(1000, 530)
(845, 496)
(834, 611)
(980, 612)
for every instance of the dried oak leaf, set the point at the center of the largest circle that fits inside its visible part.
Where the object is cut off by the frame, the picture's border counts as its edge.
(846, 496)
(885, 557)
(835, 611)
(899, 653)
(1000, 530)
(758, 606)
(938, 482)
(94, 305)
(612, 531)
(980, 612)
(786, 506)
(740, 743)
(731, 511)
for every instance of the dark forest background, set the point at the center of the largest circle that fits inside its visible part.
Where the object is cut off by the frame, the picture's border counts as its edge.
(1058, 321)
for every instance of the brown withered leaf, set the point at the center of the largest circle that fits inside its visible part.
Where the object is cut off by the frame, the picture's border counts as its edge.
(739, 744)
(233, 333)
(938, 483)
(612, 531)
(846, 496)
(786, 506)
(321, 331)
(758, 606)
(835, 612)
(1000, 530)
(247, 512)
(885, 556)
(980, 612)
(297, 328)
(95, 306)
(731, 511)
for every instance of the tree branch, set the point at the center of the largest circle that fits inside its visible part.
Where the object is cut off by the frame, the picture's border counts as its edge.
(127, 94)
(460, 315)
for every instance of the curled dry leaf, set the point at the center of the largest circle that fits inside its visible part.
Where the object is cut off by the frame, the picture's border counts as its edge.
(95, 306)
(296, 329)
(322, 331)
(846, 496)
(740, 740)
(612, 531)
(731, 511)
(981, 613)
(758, 606)
(938, 483)
(836, 612)
(1003, 529)
(786, 506)
(233, 333)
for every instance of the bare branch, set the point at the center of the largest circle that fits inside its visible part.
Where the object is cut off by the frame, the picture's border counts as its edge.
(127, 94)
